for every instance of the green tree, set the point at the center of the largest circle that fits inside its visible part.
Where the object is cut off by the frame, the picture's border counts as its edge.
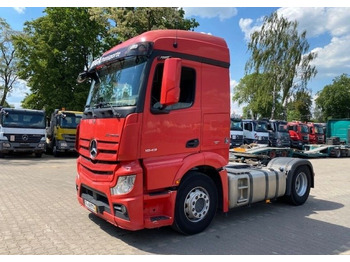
(279, 50)
(52, 51)
(334, 99)
(8, 69)
(300, 107)
(254, 91)
(124, 23)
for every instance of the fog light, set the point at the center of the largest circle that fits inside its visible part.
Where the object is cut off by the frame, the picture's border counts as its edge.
(6, 145)
(124, 185)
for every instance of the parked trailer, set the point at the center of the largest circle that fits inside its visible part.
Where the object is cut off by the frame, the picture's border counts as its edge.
(265, 154)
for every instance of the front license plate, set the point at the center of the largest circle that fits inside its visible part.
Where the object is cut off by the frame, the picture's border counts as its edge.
(92, 207)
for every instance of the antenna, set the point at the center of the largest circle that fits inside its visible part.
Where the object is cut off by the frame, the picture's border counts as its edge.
(175, 43)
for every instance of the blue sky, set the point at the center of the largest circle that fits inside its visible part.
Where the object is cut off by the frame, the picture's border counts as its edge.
(328, 32)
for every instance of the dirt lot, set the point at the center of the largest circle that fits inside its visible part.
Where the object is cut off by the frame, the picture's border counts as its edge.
(39, 214)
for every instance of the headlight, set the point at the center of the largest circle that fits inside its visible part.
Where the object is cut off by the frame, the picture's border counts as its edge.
(233, 137)
(63, 144)
(124, 185)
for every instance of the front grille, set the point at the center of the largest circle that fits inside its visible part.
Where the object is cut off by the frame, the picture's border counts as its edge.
(106, 150)
(69, 138)
(24, 138)
(98, 172)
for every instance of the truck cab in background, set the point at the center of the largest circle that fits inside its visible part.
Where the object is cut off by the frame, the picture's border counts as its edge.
(279, 135)
(255, 131)
(316, 134)
(236, 132)
(61, 131)
(299, 134)
(22, 131)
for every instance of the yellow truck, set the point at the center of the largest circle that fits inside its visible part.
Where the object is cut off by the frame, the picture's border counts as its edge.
(61, 131)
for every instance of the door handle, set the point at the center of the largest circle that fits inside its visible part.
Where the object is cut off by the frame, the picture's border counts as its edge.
(192, 143)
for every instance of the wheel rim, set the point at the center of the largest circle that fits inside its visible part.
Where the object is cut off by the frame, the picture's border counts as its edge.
(301, 184)
(196, 205)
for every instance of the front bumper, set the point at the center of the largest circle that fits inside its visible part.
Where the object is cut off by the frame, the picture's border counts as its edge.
(132, 211)
(15, 147)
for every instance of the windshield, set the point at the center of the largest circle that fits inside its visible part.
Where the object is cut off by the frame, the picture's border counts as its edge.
(282, 128)
(117, 85)
(70, 121)
(260, 126)
(23, 119)
(236, 125)
(304, 129)
(318, 130)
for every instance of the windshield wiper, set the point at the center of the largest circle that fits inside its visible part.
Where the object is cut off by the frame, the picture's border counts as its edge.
(103, 104)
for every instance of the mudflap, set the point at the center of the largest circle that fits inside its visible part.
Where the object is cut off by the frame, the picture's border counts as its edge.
(289, 165)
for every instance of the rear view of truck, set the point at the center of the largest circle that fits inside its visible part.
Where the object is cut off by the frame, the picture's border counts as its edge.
(22, 131)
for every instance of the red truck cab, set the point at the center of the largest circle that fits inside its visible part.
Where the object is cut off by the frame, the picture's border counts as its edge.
(316, 134)
(144, 126)
(299, 134)
(154, 140)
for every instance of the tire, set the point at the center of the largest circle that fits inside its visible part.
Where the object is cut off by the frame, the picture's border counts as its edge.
(196, 204)
(337, 153)
(2, 155)
(54, 150)
(300, 189)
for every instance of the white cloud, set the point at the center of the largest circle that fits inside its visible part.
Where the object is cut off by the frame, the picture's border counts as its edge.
(249, 26)
(20, 10)
(211, 12)
(319, 20)
(333, 57)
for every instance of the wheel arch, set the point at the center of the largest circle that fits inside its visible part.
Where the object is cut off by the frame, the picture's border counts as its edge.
(211, 165)
(289, 166)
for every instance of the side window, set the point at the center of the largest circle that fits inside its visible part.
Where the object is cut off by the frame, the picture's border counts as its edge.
(187, 88)
(247, 126)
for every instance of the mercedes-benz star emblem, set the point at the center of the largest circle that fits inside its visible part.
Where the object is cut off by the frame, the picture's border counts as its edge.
(93, 149)
(25, 137)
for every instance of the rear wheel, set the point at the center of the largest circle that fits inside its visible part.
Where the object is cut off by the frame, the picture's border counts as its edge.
(300, 189)
(196, 204)
(337, 153)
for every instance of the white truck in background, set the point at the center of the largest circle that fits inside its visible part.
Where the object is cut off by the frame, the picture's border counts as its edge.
(22, 131)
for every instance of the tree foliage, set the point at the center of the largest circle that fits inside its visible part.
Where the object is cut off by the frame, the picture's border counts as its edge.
(52, 51)
(300, 107)
(124, 23)
(259, 100)
(334, 99)
(8, 69)
(279, 50)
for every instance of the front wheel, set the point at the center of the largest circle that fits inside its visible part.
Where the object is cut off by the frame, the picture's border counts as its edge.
(196, 203)
(300, 190)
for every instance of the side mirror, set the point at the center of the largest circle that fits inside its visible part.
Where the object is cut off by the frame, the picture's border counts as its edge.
(170, 92)
(82, 77)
